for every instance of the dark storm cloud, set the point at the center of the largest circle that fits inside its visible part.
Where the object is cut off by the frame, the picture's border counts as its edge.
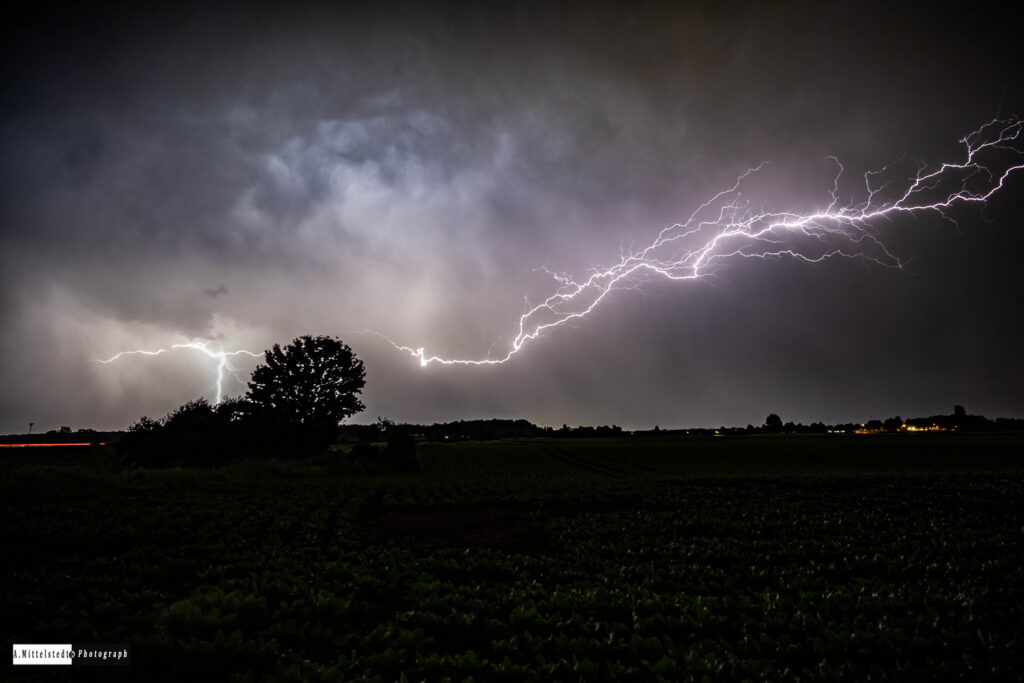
(219, 290)
(247, 175)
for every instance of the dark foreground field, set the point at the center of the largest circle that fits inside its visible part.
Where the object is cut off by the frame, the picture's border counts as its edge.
(674, 558)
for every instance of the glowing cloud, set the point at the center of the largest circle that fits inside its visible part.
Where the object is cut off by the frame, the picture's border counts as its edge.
(726, 227)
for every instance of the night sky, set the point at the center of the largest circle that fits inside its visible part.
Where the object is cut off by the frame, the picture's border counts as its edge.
(245, 175)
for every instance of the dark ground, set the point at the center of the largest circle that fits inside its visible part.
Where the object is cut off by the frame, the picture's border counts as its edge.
(679, 558)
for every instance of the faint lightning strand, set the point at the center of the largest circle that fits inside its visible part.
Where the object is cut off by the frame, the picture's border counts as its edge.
(725, 227)
(223, 360)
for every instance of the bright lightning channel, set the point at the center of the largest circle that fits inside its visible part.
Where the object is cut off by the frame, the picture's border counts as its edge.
(726, 227)
(223, 357)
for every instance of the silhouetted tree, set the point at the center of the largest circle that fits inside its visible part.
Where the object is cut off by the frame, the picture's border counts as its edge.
(773, 423)
(293, 408)
(143, 424)
(383, 426)
(312, 384)
(235, 409)
(194, 434)
(959, 412)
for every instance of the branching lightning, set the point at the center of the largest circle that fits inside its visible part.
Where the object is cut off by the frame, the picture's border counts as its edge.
(223, 360)
(726, 227)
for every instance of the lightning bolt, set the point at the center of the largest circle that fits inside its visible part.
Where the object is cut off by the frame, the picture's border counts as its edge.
(223, 360)
(727, 227)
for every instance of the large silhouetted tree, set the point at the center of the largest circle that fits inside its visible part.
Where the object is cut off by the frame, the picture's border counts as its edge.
(313, 383)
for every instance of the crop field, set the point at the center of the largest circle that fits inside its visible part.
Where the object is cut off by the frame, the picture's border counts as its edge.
(643, 558)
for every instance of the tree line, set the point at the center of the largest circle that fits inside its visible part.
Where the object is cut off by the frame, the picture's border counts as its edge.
(299, 396)
(294, 405)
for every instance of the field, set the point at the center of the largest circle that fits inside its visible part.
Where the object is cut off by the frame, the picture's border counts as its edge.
(643, 558)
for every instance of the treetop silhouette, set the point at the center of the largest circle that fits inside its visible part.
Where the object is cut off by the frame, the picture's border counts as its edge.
(314, 382)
